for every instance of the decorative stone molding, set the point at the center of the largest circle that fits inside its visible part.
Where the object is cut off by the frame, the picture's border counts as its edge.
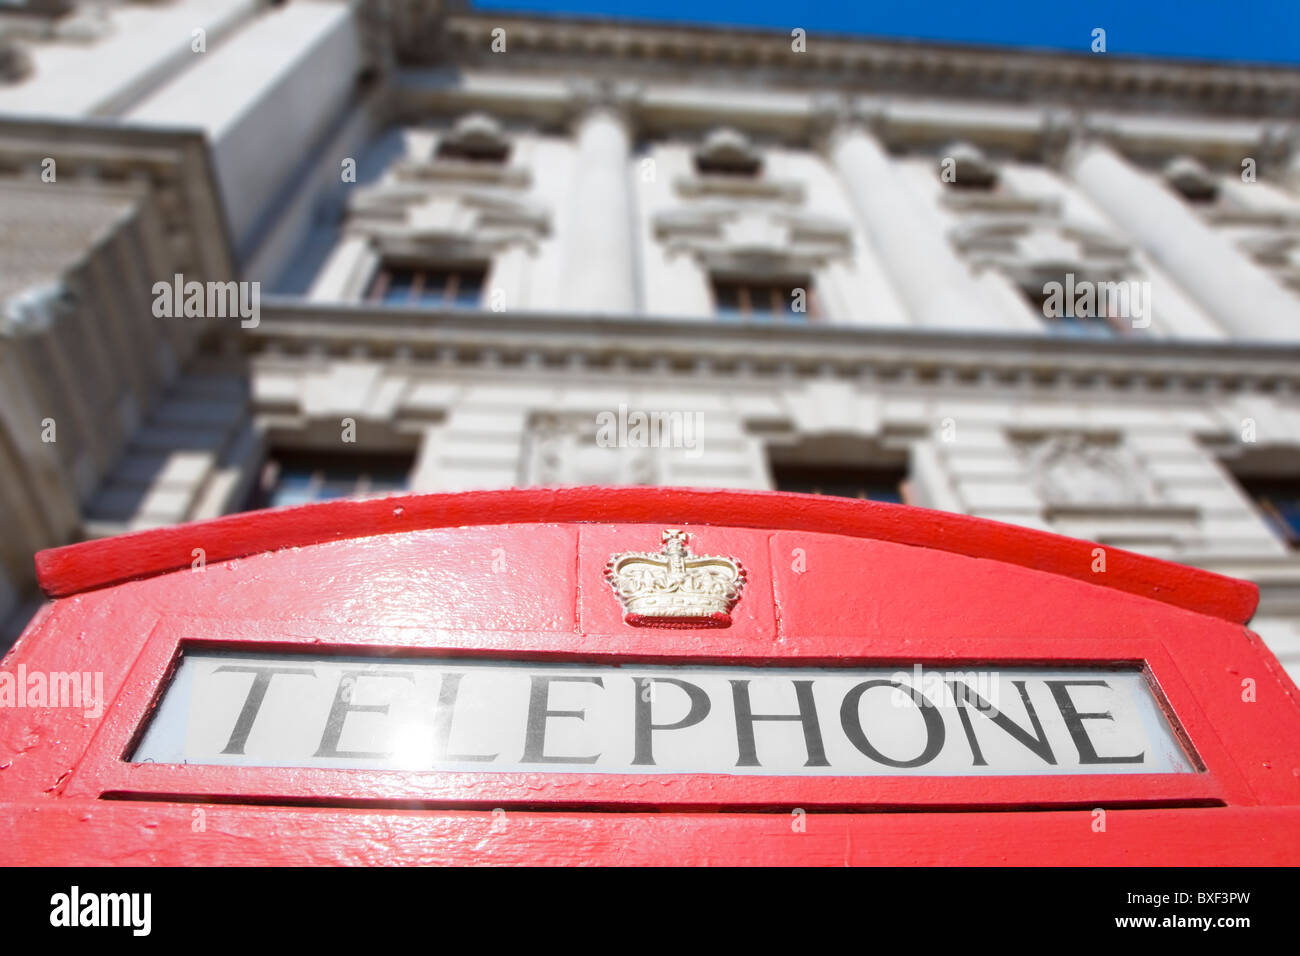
(1080, 470)
(1025, 364)
(1277, 250)
(454, 171)
(911, 68)
(15, 61)
(409, 214)
(34, 310)
(1060, 129)
(474, 137)
(832, 114)
(1004, 204)
(971, 169)
(51, 9)
(560, 449)
(1188, 177)
(598, 94)
(751, 240)
(1033, 250)
(174, 167)
(739, 188)
(88, 24)
(475, 151)
(729, 166)
(728, 150)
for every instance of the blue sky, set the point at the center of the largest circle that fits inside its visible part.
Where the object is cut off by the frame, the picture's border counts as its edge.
(1263, 31)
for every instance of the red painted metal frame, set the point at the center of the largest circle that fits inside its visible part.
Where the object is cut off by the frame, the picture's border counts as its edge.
(1037, 601)
(93, 564)
(104, 770)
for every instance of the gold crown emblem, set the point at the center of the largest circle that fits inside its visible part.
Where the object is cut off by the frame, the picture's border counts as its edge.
(674, 588)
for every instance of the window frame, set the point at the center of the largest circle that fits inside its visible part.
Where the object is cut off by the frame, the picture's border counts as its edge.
(906, 494)
(1262, 490)
(781, 292)
(327, 464)
(382, 277)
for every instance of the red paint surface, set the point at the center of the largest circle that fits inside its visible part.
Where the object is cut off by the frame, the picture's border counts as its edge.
(520, 574)
(80, 567)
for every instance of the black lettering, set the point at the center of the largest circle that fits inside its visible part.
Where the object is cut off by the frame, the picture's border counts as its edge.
(934, 729)
(645, 726)
(1074, 721)
(539, 713)
(253, 702)
(1038, 744)
(448, 691)
(339, 710)
(807, 716)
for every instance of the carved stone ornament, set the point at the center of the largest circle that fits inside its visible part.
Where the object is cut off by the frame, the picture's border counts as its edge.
(561, 449)
(1076, 470)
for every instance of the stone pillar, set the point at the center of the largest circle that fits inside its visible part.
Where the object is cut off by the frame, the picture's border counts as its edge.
(344, 275)
(600, 257)
(934, 285)
(1239, 294)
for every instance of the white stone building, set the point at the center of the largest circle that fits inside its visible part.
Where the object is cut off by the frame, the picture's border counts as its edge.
(481, 239)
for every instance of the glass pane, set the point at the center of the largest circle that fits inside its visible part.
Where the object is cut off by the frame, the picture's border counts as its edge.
(210, 715)
(469, 290)
(292, 488)
(433, 289)
(337, 487)
(1289, 509)
(726, 297)
(399, 286)
(871, 484)
(305, 477)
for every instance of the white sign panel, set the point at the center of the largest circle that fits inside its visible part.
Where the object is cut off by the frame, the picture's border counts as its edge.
(457, 714)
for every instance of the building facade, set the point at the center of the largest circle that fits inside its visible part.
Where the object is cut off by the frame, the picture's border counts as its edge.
(438, 249)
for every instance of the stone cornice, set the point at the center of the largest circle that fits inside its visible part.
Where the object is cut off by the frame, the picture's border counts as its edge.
(809, 117)
(1155, 369)
(171, 161)
(716, 55)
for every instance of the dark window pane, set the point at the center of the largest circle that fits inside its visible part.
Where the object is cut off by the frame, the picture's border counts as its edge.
(468, 291)
(293, 487)
(432, 288)
(485, 152)
(872, 484)
(295, 478)
(742, 167)
(399, 284)
(1278, 500)
(760, 301)
(1067, 324)
(458, 288)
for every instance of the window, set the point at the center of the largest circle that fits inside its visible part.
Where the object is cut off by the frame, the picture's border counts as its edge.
(964, 166)
(1191, 180)
(1278, 500)
(871, 484)
(763, 300)
(296, 478)
(1069, 325)
(460, 287)
(727, 166)
(473, 152)
(728, 152)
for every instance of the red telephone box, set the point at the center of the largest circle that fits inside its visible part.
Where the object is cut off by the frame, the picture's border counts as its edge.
(639, 676)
